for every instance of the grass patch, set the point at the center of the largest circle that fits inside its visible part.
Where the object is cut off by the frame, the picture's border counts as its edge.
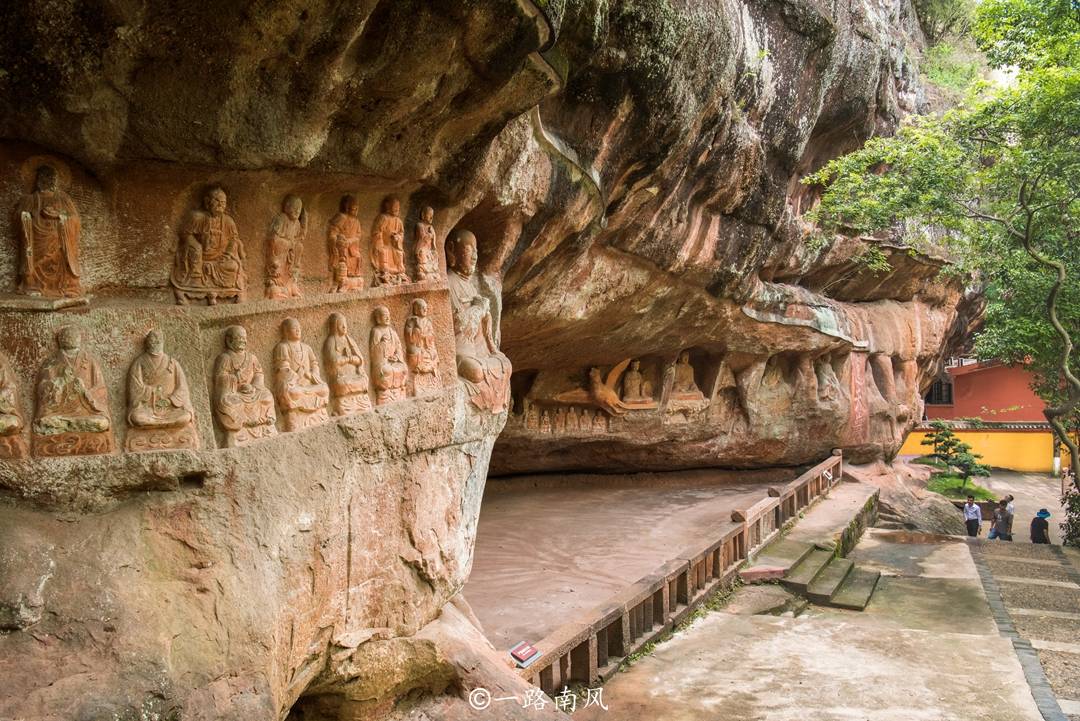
(719, 598)
(952, 486)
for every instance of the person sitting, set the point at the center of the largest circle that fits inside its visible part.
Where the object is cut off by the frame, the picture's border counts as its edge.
(1040, 528)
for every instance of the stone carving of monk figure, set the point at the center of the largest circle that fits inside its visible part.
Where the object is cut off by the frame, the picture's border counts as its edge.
(345, 372)
(285, 249)
(388, 369)
(242, 404)
(301, 393)
(636, 390)
(343, 238)
(11, 420)
(388, 245)
(159, 399)
(484, 370)
(684, 386)
(421, 355)
(427, 261)
(50, 229)
(72, 398)
(210, 257)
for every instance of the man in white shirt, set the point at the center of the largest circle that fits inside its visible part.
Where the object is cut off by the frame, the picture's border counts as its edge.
(972, 516)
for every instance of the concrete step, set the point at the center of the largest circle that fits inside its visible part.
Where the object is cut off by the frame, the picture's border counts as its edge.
(828, 582)
(856, 590)
(776, 560)
(804, 573)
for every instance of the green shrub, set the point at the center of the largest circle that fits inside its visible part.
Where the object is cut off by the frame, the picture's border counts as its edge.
(951, 67)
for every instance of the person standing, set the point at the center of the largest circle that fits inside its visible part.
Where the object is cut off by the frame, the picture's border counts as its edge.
(1000, 529)
(1040, 528)
(1010, 508)
(972, 516)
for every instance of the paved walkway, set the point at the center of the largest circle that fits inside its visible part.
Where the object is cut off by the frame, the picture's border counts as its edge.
(1032, 491)
(551, 547)
(1036, 593)
(926, 649)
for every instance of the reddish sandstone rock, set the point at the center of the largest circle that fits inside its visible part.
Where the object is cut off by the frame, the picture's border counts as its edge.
(630, 172)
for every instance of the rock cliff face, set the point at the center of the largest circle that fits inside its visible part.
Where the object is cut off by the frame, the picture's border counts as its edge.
(631, 172)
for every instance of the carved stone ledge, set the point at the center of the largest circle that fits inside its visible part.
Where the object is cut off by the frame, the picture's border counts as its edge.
(14, 301)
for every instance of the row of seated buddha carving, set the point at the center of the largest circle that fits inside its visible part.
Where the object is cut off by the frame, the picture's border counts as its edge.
(565, 420)
(210, 255)
(246, 409)
(72, 411)
(637, 391)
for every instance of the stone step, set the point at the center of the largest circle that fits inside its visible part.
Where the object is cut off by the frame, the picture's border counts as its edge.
(856, 590)
(776, 560)
(828, 582)
(804, 573)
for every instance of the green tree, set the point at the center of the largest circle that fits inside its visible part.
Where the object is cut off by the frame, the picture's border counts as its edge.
(994, 184)
(967, 463)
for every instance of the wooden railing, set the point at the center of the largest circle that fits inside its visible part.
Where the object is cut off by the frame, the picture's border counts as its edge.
(588, 651)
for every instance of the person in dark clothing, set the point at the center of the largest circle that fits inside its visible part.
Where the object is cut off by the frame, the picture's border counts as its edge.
(1002, 521)
(1040, 528)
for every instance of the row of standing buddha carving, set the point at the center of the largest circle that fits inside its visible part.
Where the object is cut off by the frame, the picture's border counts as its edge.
(209, 263)
(72, 415)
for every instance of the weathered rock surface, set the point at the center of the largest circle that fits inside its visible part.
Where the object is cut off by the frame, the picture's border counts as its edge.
(631, 171)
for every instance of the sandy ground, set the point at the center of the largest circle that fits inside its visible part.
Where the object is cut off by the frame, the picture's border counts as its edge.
(544, 555)
(926, 649)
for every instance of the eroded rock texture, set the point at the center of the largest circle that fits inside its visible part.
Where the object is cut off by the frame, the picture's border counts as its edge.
(631, 172)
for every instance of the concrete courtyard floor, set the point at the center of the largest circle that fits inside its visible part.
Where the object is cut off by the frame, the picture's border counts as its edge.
(927, 648)
(551, 547)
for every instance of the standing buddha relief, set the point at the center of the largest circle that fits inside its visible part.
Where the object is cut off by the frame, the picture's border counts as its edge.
(285, 249)
(427, 260)
(160, 414)
(482, 368)
(421, 353)
(301, 393)
(210, 256)
(343, 247)
(12, 444)
(388, 245)
(49, 229)
(73, 415)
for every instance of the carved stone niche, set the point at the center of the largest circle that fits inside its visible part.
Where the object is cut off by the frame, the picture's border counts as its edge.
(72, 416)
(421, 353)
(12, 444)
(285, 249)
(682, 391)
(160, 413)
(243, 405)
(638, 386)
(209, 263)
(301, 393)
(48, 230)
(348, 381)
(389, 372)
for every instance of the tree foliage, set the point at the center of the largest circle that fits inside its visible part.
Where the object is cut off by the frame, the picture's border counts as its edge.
(953, 453)
(995, 185)
(943, 20)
